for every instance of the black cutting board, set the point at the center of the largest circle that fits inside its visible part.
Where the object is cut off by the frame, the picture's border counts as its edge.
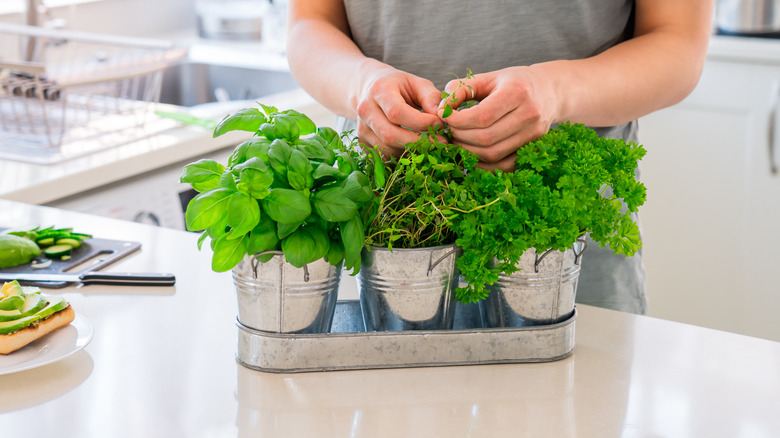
(99, 252)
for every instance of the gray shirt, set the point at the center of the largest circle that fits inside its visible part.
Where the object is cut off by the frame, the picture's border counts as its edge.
(439, 40)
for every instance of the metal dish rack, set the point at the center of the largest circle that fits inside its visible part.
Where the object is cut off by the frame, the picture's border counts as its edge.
(65, 93)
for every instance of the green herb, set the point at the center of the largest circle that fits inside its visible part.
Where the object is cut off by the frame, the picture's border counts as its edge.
(293, 188)
(415, 200)
(451, 100)
(567, 183)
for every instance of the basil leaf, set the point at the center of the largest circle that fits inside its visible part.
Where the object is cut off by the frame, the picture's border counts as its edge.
(357, 187)
(227, 181)
(228, 253)
(247, 119)
(285, 127)
(202, 239)
(255, 177)
(296, 181)
(207, 209)
(258, 147)
(286, 206)
(335, 253)
(243, 214)
(278, 156)
(326, 171)
(333, 205)
(203, 175)
(328, 134)
(268, 109)
(321, 241)
(299, 248)
(315, 149)
(305, 124)
(284, 230)
(353, 237)
(263, 238)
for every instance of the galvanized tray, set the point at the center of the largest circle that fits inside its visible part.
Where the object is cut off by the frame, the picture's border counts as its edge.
(348, 346)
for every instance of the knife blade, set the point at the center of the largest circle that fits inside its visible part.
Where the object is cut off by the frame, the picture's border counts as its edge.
(94, 277)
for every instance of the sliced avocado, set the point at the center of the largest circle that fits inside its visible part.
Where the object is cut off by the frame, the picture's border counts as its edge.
(14, 302)
(33, 303)
(12, 288)
(17, 324)
(55, 305)
(10, 315)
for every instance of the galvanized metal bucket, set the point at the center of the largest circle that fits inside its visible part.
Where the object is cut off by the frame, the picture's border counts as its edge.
(541, 292)
(275, 296)
(408, 289)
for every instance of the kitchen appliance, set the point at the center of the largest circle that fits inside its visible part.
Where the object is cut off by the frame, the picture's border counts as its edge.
(748, 17)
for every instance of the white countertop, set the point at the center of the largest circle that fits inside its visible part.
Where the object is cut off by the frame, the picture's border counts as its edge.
(162, 364)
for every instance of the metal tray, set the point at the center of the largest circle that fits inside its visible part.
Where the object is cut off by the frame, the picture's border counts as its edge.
(348, 346)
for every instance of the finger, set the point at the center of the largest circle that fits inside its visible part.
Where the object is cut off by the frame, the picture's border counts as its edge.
(495, 102)
(399, 112)
(369, 137)
(427, 96)
(373, 118)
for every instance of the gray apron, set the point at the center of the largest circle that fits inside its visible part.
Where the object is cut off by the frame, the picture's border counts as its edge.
(439, 40)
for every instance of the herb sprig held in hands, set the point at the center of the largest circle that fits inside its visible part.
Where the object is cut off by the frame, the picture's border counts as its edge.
(292, 187)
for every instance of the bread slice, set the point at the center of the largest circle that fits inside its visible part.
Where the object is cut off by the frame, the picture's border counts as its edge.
(18, 339)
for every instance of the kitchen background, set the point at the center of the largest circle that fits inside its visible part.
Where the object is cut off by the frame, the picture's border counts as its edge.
(711, 223)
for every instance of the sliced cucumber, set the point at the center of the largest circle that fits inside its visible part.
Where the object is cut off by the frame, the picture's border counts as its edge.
(75, 243)
(44, 242)
(58, 251)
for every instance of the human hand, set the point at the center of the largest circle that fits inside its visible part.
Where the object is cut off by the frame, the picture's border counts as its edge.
(517, 105)
(388, 108)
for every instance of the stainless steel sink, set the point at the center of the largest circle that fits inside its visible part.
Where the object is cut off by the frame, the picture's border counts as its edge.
(191, 83)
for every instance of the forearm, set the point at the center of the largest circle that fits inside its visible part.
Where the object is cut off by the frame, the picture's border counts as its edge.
(656, 69)
(327, 64)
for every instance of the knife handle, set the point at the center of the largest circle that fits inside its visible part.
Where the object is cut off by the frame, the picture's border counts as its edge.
(128, 278)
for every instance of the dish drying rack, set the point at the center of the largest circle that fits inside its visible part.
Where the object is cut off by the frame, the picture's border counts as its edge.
(65, 94)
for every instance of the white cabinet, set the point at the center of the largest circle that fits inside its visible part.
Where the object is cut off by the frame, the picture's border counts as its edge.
(712, 219)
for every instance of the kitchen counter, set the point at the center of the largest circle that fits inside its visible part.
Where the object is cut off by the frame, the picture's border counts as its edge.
(40, 183)
(162, 364)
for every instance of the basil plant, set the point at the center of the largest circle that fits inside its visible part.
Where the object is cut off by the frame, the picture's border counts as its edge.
(292, 187)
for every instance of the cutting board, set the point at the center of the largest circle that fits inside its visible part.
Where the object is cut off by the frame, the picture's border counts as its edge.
(92, 255)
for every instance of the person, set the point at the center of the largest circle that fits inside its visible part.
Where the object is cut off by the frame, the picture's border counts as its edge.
(381, 66)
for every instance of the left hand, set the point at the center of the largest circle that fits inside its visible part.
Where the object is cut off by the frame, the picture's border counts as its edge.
(517, 105)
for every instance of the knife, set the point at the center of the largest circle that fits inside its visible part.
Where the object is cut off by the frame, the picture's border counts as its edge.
(94, 277)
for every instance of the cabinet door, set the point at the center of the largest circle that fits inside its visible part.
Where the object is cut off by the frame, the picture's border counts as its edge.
(705, 222)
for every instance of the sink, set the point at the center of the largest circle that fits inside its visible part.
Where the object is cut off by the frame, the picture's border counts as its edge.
(193, 83)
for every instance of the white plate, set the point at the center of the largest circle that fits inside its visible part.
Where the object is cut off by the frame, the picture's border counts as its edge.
(55, 346)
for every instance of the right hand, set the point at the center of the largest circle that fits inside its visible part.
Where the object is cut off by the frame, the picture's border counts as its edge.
(393, 107)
